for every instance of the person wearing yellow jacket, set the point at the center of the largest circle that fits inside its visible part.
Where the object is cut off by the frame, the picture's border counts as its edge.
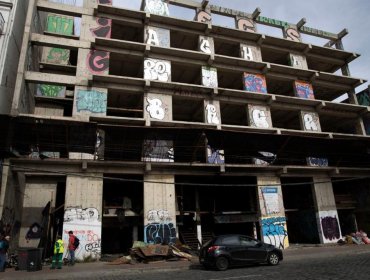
(58, 254)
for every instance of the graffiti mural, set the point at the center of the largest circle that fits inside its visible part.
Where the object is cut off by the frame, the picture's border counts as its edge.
(292, 34)
(209, 77)
(98, 62)
(155, 108)
(259, 116)
(156, 69)
(92, 101)
(157, 7)
(212, 116)
(246, 24)
(215, 156)
(203, 16)
(157, 36)
(310, 121)
(160, 229)
(329, 226)
(318, 162)
(254, 83)
(51, 90)
(274, 231)
(297, 61)
(86, 225)
(104, 28)
(158, 151)
(303, 90)
(206, 44)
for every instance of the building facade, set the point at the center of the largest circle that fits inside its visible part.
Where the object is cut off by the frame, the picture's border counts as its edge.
(133, 125)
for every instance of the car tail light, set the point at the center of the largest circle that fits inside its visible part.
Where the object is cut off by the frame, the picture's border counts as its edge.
(212, 249)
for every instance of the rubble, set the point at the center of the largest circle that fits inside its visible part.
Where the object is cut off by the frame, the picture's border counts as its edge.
(358, 238)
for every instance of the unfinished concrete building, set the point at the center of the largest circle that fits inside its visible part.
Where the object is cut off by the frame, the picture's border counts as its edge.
(134, 125)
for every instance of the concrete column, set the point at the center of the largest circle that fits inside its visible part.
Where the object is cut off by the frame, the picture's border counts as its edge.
(326, 210)
(83, 213)
(159, 209)
(272, 211)
(37, 194)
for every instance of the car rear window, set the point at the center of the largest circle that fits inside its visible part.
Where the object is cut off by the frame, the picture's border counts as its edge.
(228, 240)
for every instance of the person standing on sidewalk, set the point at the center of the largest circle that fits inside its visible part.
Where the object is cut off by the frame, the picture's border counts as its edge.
(4, 245)
(58, 254)
(72, 247)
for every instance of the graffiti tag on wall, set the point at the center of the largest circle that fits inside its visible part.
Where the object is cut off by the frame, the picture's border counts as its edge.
(160, 229)
(51, 90)
(274, 231)
(303, 90)
(254, 83)
(104, 28)
(203, 16)
(311, 121)
(156, 69)
(292, 34)
(246, 24)
(212, 116)
(157, 36)
(98, 62)
(157, 7)
(209, 77)
(91, 100)
(330, 226)
(215, 156)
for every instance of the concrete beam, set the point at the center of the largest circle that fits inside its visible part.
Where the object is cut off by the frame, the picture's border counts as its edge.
(52, 79)
(51, 41)
(46, 6)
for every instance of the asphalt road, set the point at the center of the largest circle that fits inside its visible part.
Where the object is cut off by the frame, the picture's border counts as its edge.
(348, 262)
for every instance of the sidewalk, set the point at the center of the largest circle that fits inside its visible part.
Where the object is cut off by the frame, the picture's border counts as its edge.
(99, 269)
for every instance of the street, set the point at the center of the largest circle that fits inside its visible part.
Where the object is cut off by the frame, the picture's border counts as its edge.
(324, 263)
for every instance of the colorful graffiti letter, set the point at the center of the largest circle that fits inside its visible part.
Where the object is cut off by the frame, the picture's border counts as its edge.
(254, 83)
(274, 231)
(303, 90)
(104, 28)
(98, 61)
(92, 101)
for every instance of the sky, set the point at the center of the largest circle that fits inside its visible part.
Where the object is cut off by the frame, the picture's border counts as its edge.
(328, 15)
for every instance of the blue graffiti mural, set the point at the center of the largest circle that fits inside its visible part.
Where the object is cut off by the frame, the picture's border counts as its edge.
(273, 231)
(255, 83)
(158, 233)
(91, 100)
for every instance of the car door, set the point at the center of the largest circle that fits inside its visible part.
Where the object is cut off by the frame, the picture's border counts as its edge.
(253, 250)
(231, 245)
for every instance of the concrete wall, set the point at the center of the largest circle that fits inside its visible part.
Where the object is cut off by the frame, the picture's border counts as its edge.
(272, 212)
(159, 209)
(83, 213)
(10, 46)
(326, 210)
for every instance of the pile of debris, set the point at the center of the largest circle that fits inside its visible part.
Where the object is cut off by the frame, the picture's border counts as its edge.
(358, 238)
(145, 253)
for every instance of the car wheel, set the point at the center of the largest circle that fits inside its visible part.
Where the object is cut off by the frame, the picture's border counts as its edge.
(273, 259)
(222, 263)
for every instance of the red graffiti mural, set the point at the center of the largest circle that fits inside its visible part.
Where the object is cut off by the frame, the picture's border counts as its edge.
(104, 28)
(97, 61)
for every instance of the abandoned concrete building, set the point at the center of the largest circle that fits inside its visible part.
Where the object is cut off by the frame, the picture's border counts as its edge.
(134, 125)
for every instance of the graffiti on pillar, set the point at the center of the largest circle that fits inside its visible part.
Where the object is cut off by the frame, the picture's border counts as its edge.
(98, 61)
(203, 16)
(215, 156)
(274, 231)
(330, 226)
(157, 36)
(311, 121)
(34, 231)
(303, 90)
(160, 229)
(57, 56)
(59, 24)
(254, 83)
(104, 28)
(292, 34)
(206, 44)
(86, 225)
(91, 100)
(317, 162)
(158, 151)
(157, 7)
(155, 108)
(212, 117)
(156, 69)
(209, 77)
(51, 90)
(259, 116)
(105, 2)
(246, 24)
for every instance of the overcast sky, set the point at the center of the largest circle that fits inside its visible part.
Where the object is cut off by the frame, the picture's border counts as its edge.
(328, 15)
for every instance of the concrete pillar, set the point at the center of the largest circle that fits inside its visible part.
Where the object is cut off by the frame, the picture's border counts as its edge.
(83, 213)
(326, 210)
(159, 209)
(272, 211)
(37, 194)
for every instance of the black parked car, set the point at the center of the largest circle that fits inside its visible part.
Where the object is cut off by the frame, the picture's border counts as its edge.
(235, 250)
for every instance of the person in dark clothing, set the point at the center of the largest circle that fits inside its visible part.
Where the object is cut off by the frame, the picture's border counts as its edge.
(4, 245)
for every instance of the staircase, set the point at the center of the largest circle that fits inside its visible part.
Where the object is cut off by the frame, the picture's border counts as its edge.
(190, 238)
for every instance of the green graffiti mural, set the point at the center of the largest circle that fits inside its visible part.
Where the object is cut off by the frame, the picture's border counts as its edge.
(57, 55)
(91, 100)
(59, 24)
(51, 91)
